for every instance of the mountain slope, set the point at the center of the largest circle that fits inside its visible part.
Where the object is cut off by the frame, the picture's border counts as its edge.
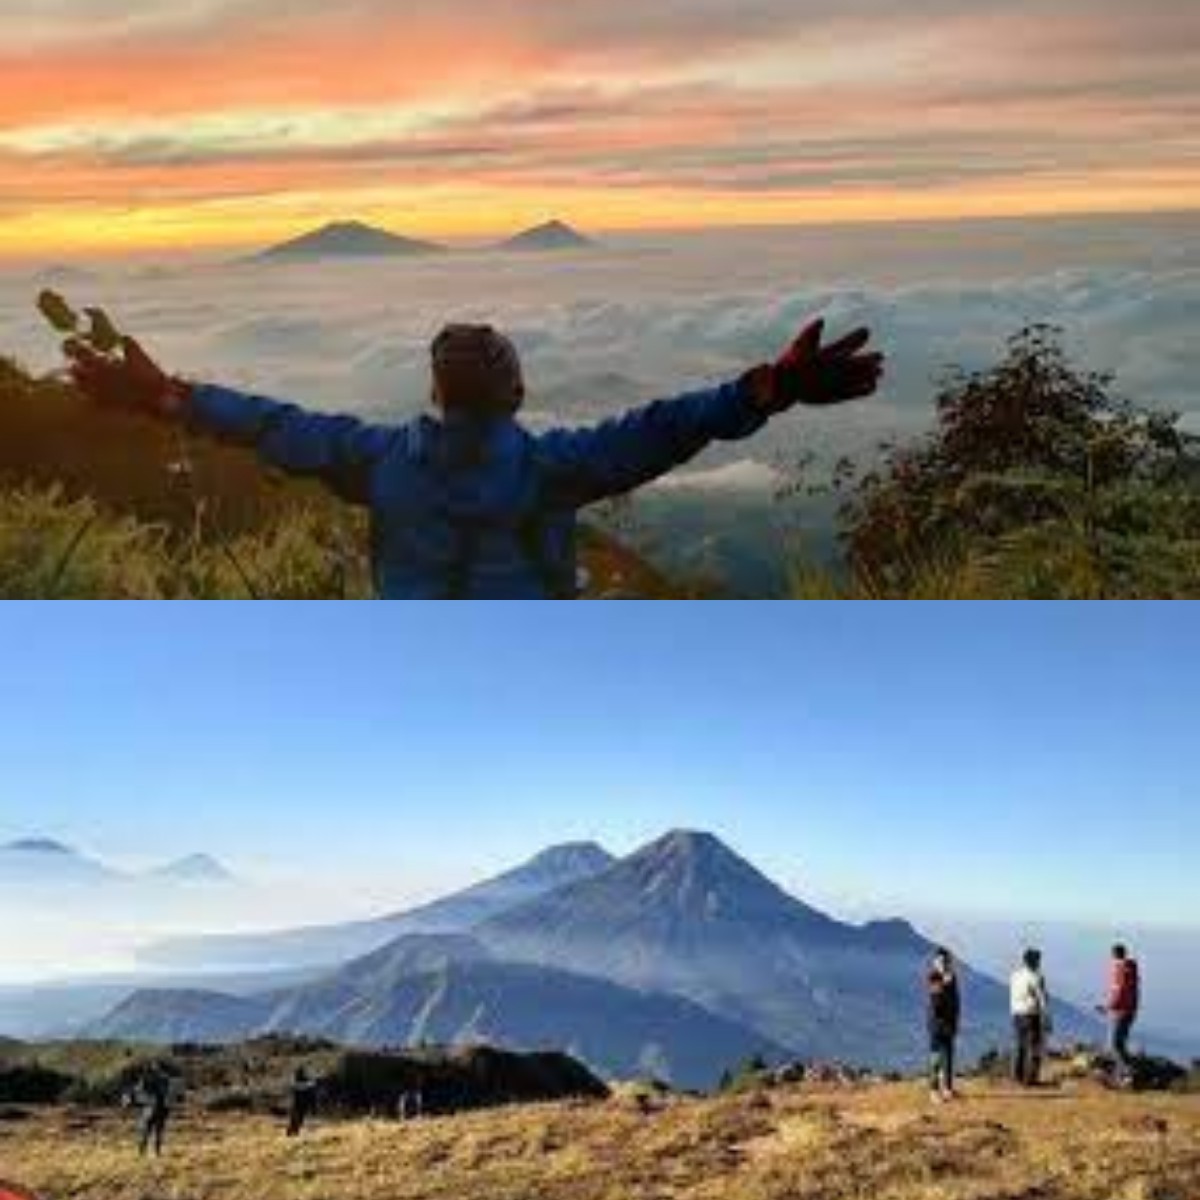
(686, 915)
(168, 1016)
(347, 239)
(326, 945)
(451, 991)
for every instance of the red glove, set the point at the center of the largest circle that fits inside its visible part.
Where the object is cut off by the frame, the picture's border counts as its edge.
(811, 374)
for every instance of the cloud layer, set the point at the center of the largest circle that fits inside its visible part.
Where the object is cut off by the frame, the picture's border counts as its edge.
(643, 317)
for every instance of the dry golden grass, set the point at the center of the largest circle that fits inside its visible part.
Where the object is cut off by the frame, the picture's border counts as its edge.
(878, 1143)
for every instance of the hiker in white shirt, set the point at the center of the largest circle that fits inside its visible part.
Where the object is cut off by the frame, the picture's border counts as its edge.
(1030, 1003)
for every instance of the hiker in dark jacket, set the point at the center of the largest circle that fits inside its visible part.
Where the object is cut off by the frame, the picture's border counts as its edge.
(467, 503)
(303, 1101)
(944, 1004)
(153, 1096)
(1121, 1008)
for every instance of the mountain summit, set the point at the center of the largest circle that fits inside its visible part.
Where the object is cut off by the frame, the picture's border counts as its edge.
(681, 878)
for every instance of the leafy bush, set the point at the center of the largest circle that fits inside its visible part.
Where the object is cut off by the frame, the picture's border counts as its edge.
(1037, 483)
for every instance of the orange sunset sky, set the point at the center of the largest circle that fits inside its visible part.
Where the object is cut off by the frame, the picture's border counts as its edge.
(153, 124)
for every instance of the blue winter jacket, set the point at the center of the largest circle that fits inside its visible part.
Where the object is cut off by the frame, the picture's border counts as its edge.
(464, 509)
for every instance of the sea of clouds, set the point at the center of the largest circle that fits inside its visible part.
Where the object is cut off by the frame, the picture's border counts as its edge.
(641, 317)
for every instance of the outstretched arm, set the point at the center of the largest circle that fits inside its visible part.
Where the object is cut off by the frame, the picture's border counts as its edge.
(581, 466)
(338, 450)
(585, 465)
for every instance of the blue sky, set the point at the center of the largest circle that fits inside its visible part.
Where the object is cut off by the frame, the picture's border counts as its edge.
(1001, 758)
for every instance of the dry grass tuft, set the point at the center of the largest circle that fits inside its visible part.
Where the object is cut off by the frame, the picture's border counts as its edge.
(877, 1143)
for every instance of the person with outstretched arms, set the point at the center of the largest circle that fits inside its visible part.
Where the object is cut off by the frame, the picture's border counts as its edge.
(466, 503)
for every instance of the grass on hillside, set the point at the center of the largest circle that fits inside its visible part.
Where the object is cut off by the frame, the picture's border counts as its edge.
(882, 1142)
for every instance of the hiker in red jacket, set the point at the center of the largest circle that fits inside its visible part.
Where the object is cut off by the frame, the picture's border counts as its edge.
(1121, 1008)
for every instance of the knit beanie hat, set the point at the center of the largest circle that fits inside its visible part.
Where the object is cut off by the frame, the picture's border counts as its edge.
(477, 370)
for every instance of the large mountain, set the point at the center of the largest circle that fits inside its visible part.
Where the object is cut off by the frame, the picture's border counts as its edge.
(451, 991)
(682, 955)
(326, 945)
(686, 915)
(348, 239)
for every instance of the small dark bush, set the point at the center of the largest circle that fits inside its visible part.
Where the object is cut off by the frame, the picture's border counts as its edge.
(33, 1084)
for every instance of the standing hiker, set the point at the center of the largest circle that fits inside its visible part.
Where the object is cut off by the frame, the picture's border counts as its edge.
(153, 1096)
(1121, 1008)
(467, 503)
(303, 1102)
(1030, 1002)
(944, 1013)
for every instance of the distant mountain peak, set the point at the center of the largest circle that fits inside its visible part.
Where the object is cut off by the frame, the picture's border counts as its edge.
(696, 851)
(689, 842)
(38, 845)
(348, 239)
(196, 868)
(550, 235)
(573, 858)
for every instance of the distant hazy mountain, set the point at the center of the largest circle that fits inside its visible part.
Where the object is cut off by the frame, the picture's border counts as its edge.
(451, 991)
(686, 915)
(42, 862)
(553, 235)
(61, 1008)
(194, 868)
(348, 239)
(39, 865)
(331, 944)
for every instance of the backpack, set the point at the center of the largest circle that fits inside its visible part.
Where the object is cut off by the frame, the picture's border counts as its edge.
(530, 537)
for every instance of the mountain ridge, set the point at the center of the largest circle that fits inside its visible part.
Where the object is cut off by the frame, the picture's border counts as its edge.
(326, 945)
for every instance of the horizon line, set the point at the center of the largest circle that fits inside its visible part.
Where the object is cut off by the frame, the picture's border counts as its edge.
(486, 239)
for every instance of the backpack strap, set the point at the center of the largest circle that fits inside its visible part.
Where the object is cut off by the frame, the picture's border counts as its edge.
(462, 568)
(531, 536)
